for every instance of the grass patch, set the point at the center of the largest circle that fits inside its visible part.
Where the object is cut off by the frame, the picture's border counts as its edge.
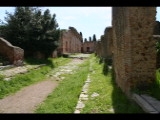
(1, 77)
(33, 76)
(65, 96)
(111, 99)
(154, 90)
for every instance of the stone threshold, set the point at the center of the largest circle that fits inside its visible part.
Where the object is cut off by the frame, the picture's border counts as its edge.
(147, 103)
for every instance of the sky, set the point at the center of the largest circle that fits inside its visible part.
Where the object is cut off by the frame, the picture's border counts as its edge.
(88, 20)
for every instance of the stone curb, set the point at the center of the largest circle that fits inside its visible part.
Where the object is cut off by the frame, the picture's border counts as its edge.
(83, 96)
(146, 103)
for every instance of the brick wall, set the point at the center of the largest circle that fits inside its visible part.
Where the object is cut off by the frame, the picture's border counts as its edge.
(133, 46)
(157, 32)
(88, 46)
(70, 42)
(107, 43)
(14, 54)
(98, 49)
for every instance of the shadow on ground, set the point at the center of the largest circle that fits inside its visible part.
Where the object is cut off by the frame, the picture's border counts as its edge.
(48, 62)
(120, 102)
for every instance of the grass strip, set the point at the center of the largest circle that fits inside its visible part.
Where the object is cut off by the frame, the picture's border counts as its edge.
(65, 96)
(111, 99)
(33, 76)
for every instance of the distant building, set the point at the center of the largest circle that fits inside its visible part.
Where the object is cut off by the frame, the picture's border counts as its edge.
(70, 41)
(88, 46)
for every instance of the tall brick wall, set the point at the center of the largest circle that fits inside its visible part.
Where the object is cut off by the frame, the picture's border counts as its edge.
(103, 47)
(157, 32)
(88, 46)
(133, 46)
(98, 49)
(14, 54)
(70, 42)
(107, 43)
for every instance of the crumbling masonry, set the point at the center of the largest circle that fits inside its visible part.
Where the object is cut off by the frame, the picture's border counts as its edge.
(134, 52)
(106, 42)
(12, 53)
(70, 41)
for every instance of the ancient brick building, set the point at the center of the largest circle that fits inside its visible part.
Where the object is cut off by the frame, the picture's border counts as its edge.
(88, 46)
(134, 47)
(70, 41)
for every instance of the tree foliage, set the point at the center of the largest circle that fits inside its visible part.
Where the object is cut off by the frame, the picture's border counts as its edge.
(32, 30)
(81, 34)
(94, 37)
(158, 47)
(90, 39)
(85, 40)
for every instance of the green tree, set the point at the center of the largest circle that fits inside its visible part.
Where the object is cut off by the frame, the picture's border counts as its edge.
(85, 40)
(49, 34)
(90, 39)
(81, 34)
(15, 31)
(32, 30)
(94, 38)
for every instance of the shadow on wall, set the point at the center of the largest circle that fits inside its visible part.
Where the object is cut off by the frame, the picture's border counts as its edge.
(4, 60)
(120, 102)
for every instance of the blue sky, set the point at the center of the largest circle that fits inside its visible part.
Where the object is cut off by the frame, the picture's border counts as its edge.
(88, 20)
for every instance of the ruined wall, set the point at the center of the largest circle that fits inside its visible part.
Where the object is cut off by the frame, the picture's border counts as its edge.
(98, 49)
(14, 54)
(108, 37)
(107, 43)
(70, 42)
(89, 46)
(157, 32)
(134, 47)
(54, 54)
(103, 47)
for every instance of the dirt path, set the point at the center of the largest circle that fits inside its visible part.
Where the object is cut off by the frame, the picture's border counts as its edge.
(26, 100)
